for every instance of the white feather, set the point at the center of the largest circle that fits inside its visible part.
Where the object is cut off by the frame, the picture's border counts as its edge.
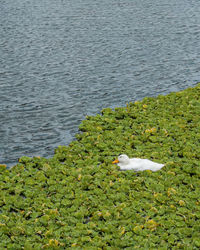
(137, 164)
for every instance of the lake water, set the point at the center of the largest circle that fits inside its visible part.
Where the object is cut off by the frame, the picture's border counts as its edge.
(61, 60)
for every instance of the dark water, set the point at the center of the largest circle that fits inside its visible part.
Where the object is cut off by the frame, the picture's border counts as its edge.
(63, 60)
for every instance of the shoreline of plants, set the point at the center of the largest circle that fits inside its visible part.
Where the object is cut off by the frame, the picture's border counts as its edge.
(79, 199)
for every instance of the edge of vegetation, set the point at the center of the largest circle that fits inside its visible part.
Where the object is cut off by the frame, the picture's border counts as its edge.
(78, 199)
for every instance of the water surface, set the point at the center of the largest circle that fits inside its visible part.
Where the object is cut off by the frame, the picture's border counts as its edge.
(62, 60)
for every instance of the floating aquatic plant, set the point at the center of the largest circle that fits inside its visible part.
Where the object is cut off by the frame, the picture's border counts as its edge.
(78, 199)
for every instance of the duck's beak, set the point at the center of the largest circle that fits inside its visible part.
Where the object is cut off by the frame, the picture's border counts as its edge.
(115, 161)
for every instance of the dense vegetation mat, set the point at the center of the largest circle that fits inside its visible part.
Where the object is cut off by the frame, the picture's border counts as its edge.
(78, 199)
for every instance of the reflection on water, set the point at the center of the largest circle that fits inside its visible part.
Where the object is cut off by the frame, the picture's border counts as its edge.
(63, 60)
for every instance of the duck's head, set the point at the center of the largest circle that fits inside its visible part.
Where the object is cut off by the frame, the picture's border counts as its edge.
(123, 159)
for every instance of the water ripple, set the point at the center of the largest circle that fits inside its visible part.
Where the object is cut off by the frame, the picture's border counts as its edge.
(63, 60)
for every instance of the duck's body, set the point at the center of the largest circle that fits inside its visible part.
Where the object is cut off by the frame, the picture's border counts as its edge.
(137, 164)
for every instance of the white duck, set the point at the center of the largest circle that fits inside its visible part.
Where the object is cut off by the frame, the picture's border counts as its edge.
(137, 164)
